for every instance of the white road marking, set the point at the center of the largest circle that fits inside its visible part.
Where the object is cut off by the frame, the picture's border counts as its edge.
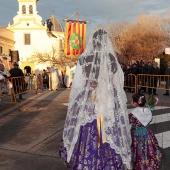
(161, 118)
(163, 139)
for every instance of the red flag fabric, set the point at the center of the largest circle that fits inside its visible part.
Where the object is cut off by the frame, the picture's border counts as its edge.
(75, 38)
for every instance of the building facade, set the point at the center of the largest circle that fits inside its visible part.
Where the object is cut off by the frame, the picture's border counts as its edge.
(31, 35)
(6, 45)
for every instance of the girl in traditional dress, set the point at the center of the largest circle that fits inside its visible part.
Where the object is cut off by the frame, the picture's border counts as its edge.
(96, 134)
(145, 150)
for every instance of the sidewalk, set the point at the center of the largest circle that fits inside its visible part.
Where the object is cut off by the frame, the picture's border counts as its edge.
(30, 131)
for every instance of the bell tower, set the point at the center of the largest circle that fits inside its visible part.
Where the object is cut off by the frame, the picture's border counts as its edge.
(27, 7)
(27, 11)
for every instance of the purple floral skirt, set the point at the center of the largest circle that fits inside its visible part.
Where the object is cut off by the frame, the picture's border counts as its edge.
(90, 153)
(146, 154)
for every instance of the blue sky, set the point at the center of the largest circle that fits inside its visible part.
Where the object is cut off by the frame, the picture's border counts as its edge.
(96, 11)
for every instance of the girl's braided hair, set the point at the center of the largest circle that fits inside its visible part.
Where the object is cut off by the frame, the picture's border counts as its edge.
(139, 98)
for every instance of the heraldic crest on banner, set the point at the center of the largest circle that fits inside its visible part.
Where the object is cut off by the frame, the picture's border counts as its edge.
(75, 36)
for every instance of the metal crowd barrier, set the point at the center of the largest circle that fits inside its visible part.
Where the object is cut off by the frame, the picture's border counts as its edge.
(130, 81)
(20, 85)
(161, 82)
(134, 83)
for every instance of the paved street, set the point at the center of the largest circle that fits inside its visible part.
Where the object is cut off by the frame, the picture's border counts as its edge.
(30, 131)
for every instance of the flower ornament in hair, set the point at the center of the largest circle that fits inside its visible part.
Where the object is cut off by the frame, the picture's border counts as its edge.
(140, 100)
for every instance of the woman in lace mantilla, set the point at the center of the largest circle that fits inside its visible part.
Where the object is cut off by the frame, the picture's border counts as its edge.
(96, 134)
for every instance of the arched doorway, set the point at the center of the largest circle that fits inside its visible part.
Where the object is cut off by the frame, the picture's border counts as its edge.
(27, 70)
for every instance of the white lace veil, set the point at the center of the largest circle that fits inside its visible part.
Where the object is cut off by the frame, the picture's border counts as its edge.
(97, 91)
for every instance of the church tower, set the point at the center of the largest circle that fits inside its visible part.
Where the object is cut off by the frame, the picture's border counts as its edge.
(27, 11)
(30, 35)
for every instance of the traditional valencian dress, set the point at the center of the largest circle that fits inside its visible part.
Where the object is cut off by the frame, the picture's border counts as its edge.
(145, 150)
(96, 134)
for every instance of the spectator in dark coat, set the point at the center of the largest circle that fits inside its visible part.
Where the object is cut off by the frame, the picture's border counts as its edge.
(135, 71)
(153, 80)
(45, 76)
(17, 72)
(127, 71)
(167, 79)
(144, 70)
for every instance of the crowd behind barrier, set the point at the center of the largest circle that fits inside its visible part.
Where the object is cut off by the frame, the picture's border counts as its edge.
(138, 77)
(147, 76)
(18, 85)
(132, 83)
(146, 82)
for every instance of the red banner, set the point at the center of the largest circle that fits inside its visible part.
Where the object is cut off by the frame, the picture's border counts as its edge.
(75, 38)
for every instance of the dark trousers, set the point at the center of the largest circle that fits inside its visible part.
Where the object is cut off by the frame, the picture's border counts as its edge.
(167, 85)
(153, 83)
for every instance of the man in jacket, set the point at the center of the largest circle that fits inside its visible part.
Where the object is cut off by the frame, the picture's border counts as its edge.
(17, 72)
(167, 79)
(153, 80)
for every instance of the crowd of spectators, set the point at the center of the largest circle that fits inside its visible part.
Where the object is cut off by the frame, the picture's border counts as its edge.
(144, 67)
(43, 80)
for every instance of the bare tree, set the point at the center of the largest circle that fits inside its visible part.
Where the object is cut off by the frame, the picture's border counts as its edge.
(54, 57)
(144, 39)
